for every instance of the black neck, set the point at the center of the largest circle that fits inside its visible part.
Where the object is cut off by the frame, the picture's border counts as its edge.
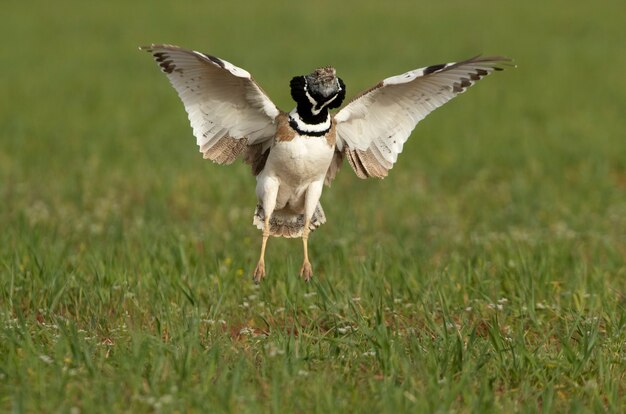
(305, 110)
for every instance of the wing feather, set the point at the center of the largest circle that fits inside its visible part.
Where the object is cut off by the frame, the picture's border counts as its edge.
(227, 109)
(373, 127)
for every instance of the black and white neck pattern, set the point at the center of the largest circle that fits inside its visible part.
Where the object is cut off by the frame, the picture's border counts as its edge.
(321, 104)
(315, 129)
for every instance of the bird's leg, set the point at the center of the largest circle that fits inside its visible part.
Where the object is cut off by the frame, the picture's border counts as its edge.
(267, 191)
(259, 272)
(306, 271)
(311, 199)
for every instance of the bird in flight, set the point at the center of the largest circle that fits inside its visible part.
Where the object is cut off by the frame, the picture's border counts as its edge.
(293, 154)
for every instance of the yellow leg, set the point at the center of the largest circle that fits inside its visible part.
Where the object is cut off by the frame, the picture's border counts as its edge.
(259, 272)
(306, 272)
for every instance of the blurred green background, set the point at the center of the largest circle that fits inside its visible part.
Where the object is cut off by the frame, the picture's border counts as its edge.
(109, 217)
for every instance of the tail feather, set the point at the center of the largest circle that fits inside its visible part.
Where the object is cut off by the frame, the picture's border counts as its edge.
(284, 223)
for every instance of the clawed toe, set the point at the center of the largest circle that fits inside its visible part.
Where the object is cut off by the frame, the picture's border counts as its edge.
(259, 272)
(306, 272)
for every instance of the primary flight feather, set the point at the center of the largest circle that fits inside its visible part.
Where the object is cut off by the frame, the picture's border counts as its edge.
(294, 154)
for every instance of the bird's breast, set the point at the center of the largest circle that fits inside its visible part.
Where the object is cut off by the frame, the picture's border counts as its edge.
(301, 159)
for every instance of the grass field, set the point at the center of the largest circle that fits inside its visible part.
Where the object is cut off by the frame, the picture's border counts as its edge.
(485, 274)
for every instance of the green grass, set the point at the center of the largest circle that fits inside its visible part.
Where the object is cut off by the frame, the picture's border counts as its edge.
(485, 274)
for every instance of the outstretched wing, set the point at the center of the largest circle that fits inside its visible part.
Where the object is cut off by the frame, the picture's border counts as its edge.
(227, 110)
(374, 126)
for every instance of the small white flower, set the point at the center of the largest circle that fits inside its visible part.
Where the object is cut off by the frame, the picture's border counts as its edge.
(246, 331)
(46, 359)
(345, 329)
(273, 351)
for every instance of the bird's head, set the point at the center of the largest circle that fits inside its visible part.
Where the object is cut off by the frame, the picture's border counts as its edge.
(319, 89)
(323, 82)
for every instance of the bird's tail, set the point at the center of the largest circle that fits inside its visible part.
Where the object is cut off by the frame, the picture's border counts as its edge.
(285, 223)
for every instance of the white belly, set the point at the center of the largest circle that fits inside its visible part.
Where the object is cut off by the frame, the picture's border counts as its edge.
(293, 166)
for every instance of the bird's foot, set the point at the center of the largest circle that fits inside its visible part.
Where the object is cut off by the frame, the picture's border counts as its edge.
(306, 272)
(259, 272)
